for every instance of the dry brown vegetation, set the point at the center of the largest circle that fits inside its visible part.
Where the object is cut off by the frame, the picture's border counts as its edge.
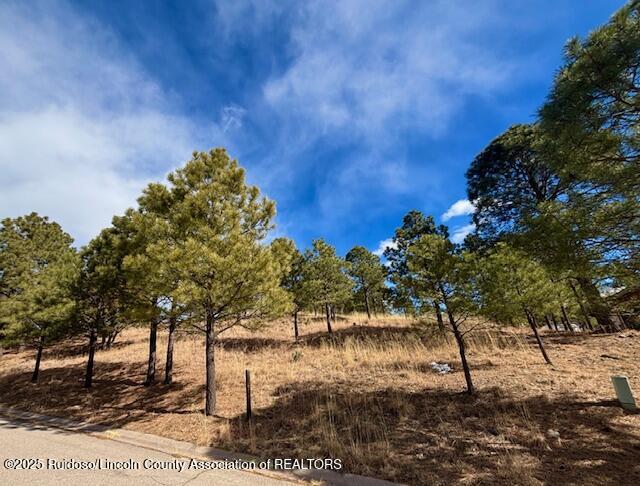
(369, 396)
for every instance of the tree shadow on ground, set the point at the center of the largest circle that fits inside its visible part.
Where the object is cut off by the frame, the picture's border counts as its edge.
(561, 337)
(323, 318)
(375, 334)
(77, 348)
(116, 398)
(371, 334)
(252, 344)
(68, 348)
(436, 437)
(45, 423)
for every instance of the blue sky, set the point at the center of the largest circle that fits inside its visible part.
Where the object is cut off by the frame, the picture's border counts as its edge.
(348, 114)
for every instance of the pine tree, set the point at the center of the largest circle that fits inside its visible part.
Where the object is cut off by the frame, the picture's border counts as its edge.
(151, 284)
(512, 286)
(592, 116)
(293, 263)
(414, 226)
(158, 279)
(441, 273)
(101, 294)
(226, 275)
(325, 278)
(368, 274)
(522, 199)
(38, 266)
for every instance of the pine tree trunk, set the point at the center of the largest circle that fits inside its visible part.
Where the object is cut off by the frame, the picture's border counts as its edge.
(366, 303)
(582, 307)
(588, 320)
(295, 325)
(210, 389)
(463, 358)
(548, 322)
(168, 370)
(566, 321)
(555, 322)
(461, 344)
(328, 312)
(88, 379)
(112, 338)
(36, 370)
(153, 345)
(436, 306)
(534, 327)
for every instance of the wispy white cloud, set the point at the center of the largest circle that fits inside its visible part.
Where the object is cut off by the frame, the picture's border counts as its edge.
(365, 73)
(460, 233)
(231, 117)
(357, 70)
(463, 207)
(82, 126)
(383, 245)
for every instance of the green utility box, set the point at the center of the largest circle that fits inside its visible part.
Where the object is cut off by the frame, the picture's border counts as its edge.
(623, 392)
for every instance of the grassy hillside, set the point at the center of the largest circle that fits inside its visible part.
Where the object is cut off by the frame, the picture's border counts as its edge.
(370, 397)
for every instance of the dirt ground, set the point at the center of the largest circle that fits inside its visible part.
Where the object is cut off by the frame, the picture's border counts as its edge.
(370, 397)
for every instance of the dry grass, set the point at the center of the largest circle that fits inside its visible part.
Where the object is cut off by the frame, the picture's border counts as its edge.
(369, 397)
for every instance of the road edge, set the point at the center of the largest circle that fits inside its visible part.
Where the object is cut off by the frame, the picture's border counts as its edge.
(186, 449)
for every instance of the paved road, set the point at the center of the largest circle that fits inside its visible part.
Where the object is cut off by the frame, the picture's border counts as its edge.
(49, 445)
